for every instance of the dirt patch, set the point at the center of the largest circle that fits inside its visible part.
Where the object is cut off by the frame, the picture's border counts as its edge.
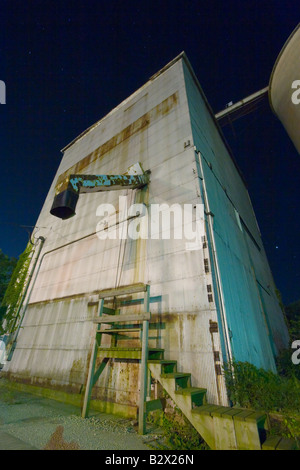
(57, 441)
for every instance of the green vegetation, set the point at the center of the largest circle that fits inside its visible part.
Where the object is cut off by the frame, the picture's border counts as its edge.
(178, 433)
(285, 366)
(12, 296)
(276, 394)
(251, 387)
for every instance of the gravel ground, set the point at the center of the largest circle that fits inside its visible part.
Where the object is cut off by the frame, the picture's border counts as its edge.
(28, 421)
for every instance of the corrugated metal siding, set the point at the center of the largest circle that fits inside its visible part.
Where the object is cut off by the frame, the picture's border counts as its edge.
(227, 194)
(54, 345)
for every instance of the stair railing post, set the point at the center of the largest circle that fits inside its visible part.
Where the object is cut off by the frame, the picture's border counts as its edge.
(143, 371)
(143, 379)
(90, 378)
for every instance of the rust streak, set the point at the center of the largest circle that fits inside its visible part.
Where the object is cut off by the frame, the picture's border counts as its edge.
(161, 109)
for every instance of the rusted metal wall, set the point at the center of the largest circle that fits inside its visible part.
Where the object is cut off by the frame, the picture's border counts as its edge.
(154, 127)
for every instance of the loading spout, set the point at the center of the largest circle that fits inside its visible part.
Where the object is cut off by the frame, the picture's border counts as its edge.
(66, 197)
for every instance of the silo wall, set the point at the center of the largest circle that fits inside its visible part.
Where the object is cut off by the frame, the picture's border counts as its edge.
(284, 87)
(167, 126)
(152, 126)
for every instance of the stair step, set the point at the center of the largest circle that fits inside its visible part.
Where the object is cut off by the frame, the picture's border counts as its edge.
(175, 375)
(124, 318)
(110, 311)
(161, 361)
(167, 366)
(218, 413)
(126, 353)
(271, 443)
(205, 409)
(222, 427)
(286, 444)
(117, 348)
(278, 443)
(119, 330)
(229, 413)
(182, 380)
(120, 353)
(123, 290)
(191, 391)
(251, 416)
(155, 354)
(197, 395)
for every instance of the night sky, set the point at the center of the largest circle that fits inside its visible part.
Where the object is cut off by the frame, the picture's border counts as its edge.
(67, 64)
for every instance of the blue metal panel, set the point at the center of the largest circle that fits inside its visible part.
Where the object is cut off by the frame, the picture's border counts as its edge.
(235, 229)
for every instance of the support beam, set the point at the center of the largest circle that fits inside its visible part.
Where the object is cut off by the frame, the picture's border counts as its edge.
(123, 290)
(242, 107)
(143, 369)
(99, 370)
(124, 318)
(90, 378)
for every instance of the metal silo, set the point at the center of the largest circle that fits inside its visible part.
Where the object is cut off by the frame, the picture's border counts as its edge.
(284, 87)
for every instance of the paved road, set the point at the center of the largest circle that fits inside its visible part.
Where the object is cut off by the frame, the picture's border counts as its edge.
(29, 422)
(9, 442)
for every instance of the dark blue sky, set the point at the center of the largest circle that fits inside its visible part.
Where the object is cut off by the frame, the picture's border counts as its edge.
(66, 64)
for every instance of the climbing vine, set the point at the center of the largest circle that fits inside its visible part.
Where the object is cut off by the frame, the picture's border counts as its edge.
(15, 289)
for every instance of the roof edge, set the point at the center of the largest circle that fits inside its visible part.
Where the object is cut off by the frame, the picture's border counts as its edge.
(210, 110)
(181, 56)
(153, 77)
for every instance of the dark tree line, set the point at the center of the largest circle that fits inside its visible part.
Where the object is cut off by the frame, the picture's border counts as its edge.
(7, 265)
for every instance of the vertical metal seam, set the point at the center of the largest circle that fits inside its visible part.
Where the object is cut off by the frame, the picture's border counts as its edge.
(215, 261)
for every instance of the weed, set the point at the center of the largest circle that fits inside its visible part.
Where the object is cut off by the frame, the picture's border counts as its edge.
(178, 433)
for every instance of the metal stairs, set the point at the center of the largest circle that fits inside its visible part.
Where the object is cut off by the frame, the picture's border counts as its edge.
(120, 327)
(222, 427)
